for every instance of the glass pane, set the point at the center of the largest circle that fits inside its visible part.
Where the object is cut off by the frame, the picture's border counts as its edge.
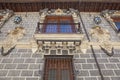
(52, 74)
(65, 74)
(65, 28)
(117, 25)
(51, 28)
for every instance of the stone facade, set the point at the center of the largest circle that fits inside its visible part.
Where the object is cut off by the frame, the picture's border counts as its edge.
(22, 64)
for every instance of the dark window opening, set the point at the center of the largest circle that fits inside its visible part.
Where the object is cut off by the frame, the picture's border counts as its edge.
(58, 68)
(58, 24)
(65, 74)
(52, 74)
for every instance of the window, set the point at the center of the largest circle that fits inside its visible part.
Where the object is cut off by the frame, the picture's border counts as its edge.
(52, 74)
(65, 74)
(58, 68)
(58, 24)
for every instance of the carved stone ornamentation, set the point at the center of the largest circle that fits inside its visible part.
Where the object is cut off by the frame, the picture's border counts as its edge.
(12, 39)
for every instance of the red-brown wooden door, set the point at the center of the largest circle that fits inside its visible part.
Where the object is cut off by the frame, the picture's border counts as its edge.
(58, 68)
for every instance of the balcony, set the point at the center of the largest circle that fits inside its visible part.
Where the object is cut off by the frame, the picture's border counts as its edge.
(59, 31)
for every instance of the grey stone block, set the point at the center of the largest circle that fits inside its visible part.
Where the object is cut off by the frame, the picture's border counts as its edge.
(7, 60)
(90, 78)
(117, 72)
(118, 65)
(22, 50)
(90, 61)
(111, 66)
(29, 60)
(105, 78)
(22, 66)
(15, 55)
(79, 60)
(108, 72)
(89, 51)
(26, 55)
(27, 73)
(3, 72)
(0, 60)
(64, 52)
(37, 55)
(29, 51)
(5, 78)
(87, 66)
(104, 55)
(34, 66)
(1, 66)
(98, 55)
(79, 78)
(37, 73)
(113, 60)
(53, 52)
(83, 73)
(98, 51)
(102, 66)
(40, 60)
(20, 60)
(94, 73)
(102, 60)
(84, 55)
(18, 78)
(32, 78)
(117, 51)
(14, 73)
(10, 66)
(116, 55)
(115, 78)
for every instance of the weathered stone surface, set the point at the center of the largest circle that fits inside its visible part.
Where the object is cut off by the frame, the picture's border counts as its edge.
(27, 73)
(10, 66)
(3, 72)
(14, 73)
(22, 64)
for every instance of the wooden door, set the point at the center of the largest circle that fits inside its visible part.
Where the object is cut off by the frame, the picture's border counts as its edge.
(58, 68)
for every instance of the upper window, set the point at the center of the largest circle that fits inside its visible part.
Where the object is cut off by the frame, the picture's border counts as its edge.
(58, 24)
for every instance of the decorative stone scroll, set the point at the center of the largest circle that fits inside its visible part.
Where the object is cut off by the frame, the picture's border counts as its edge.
(108, 14)
(84, 46)
(11, 40)
(58, 11)
(100, 34)
(103, 37)
(4, 16)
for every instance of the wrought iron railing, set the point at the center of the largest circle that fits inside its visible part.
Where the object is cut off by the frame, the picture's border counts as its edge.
(58, 28)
